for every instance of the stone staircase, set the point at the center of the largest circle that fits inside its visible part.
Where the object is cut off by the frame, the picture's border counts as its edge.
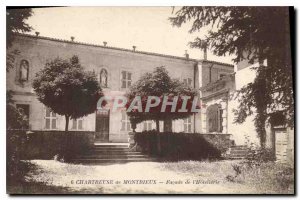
(237, 152)
(109, 153)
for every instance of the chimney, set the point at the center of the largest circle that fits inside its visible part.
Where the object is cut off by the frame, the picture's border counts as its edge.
(203, 46)
(133, 48)
(72, 38)
(37, 34)
(104, 43)
(186, 55)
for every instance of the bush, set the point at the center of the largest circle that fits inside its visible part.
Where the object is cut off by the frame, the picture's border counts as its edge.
(15, 143)
(181, 146)
(48, 144)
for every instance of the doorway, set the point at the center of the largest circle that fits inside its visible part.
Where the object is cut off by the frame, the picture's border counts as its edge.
(102, 125)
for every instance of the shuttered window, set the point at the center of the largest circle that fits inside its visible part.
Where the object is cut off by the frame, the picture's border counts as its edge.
(188, 81)
(147, 125)
(125, 123)
(187, 125)
(126, 79)
(77, 124)
(50, 119)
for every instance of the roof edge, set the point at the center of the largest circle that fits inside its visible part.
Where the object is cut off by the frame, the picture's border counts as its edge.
(118, 48)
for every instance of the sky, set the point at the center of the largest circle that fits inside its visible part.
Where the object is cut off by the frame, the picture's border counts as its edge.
(148, 28)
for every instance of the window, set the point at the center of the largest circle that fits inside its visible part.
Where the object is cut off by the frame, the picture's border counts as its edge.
(147, 125)
(188, 81)
(50, 120)
(77, 124)
(126, 125)
(167, 125)
(187, 125)
(126, 78)
(221, 76)
(214, 118)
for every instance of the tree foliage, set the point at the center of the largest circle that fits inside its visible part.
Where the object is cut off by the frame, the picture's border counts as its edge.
(64, 87)
(15, 23)
(159, 84)
(254, 34)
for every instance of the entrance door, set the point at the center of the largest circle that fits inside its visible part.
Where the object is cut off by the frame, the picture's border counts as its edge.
(102, 125)
(281, 141)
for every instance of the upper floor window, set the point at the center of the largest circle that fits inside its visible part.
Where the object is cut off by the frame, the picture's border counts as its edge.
(221, 76)
(126, 125)
(77, 124)
(50, 119)
(24, 71)
(188, 81)
(103, 78)
(126, 79)
(187, 125)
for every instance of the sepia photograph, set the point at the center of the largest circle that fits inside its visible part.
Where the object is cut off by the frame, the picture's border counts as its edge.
(150, 100)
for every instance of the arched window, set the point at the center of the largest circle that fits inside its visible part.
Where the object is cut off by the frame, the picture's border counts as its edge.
(214, 118)
(24, 71)
(103, 78)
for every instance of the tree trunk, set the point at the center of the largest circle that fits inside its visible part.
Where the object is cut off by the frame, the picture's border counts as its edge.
(67, 122)
(158, 138)
(157, 125)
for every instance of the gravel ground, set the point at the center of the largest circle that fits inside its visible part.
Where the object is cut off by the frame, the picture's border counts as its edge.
(141, 178)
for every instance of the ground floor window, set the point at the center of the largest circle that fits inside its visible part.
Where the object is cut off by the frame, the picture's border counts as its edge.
(147, 125)
(187, 125)
(50, 119)
(126, 125)
(77, 124)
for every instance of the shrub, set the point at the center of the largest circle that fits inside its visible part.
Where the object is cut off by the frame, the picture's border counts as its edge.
(179, 146)
(15, 143)
(57, 144)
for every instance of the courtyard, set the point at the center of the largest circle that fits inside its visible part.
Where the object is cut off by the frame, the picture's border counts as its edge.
(185, 177)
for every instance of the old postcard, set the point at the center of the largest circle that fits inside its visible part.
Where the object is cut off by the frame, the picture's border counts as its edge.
(150, 100)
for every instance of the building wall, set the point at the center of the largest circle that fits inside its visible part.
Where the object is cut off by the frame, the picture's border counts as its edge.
(214, 90)
(38, 50)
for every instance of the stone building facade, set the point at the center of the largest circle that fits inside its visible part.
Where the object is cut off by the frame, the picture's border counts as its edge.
(116, 70)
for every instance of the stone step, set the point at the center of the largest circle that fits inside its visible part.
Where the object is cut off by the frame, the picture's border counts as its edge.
(106, 161)
(115, 151)
(111, 152)
(106, 153)
(236, 158)
(239, 152)
(240, 147)
(112, 156)
(110, 147)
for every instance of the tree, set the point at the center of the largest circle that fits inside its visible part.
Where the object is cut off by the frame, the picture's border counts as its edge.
(254, 34)
(67, 89)
(15, 23)
(159, 84)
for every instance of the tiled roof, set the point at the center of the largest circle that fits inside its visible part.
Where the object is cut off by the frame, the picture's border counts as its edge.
(120, 49)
